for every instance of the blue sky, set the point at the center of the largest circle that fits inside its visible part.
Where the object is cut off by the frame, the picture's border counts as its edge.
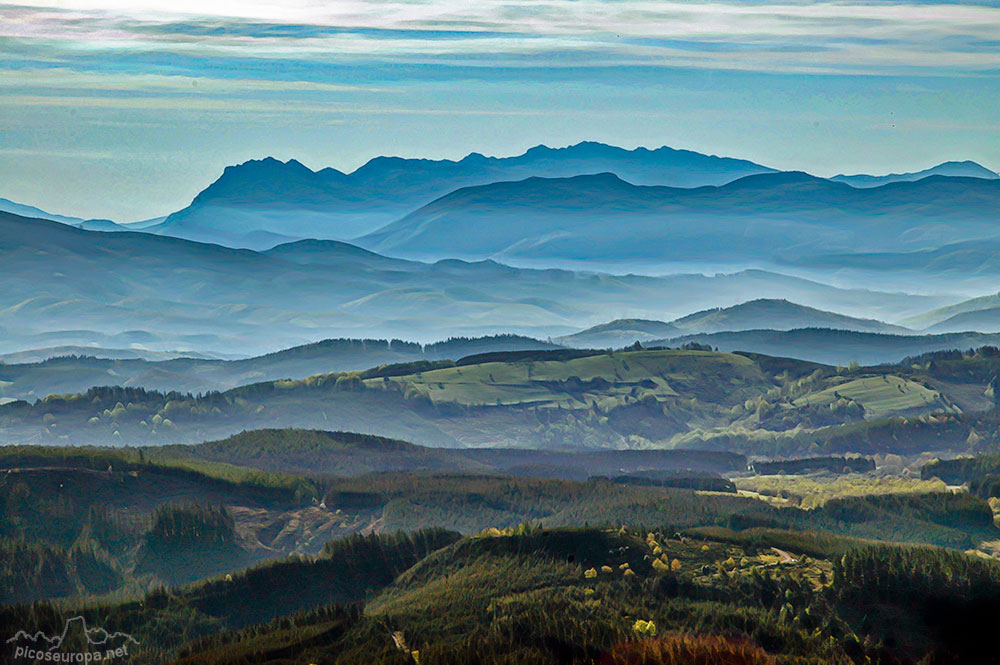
(127, 109)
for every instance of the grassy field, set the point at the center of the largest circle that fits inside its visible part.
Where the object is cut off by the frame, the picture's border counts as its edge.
(879, 395)
(607, 380)
(814, 491)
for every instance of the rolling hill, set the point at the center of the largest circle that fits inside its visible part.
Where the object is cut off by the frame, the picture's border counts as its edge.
(762, 313)
(837, 347)
(345, 454)
(604, 218)
(40, 355)
(941, 314)
(985, 320)
(262, 203)
(67, 286)
(461, 568)
(969, 259)
(551, 400)
(618, 333)
(75, 369)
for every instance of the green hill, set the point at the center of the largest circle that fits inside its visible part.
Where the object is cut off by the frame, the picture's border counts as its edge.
(531, 399)
(77, 370)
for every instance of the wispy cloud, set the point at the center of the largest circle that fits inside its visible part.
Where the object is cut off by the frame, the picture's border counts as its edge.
(835, 36)
(185, 87)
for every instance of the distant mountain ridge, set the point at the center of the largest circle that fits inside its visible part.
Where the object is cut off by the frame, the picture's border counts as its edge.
(619, 333)
(964, 169)
(970, 257)
(261, 203)
(37, 213)
(777, 314)
(835, 347)
(774, 215)
(986, 320)
(7, 205)
(762, 313)
(950, 312)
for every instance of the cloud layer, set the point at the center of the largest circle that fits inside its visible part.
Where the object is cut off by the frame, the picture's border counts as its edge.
(816, 37)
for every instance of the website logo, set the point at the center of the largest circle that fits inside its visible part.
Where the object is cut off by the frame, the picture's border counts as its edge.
(76, 644)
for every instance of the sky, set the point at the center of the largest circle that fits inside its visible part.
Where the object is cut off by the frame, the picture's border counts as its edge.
(125, 110)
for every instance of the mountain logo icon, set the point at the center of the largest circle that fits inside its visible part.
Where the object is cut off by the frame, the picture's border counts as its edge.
(76, 643)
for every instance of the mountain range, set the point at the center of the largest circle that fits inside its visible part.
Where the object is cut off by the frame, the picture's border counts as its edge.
(261, 203)
(556, 204)
(758, 218)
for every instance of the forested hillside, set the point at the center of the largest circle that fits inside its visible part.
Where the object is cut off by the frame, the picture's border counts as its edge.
(635, 398)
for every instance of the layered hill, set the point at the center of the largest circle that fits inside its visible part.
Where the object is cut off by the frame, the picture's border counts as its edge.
(776, 314)
(968, 259)
(619, 333)
(346, 454)
(955, 311)
(762, 313)
(563, 399)
(262, 203)
(985, 320)
(605, 218)
(837, 347)
(37, 213)
(67, 286)
(75, 369)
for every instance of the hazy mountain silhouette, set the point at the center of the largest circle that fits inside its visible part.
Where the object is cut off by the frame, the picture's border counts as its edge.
(985, 320)
(759, 217)
(835, 347)
(937, 315)
(776, 314)
(618, 333)
(37, 213)
(261, 203)
(967, 258)
(966, 169)
(762, 313)
(67, 286)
